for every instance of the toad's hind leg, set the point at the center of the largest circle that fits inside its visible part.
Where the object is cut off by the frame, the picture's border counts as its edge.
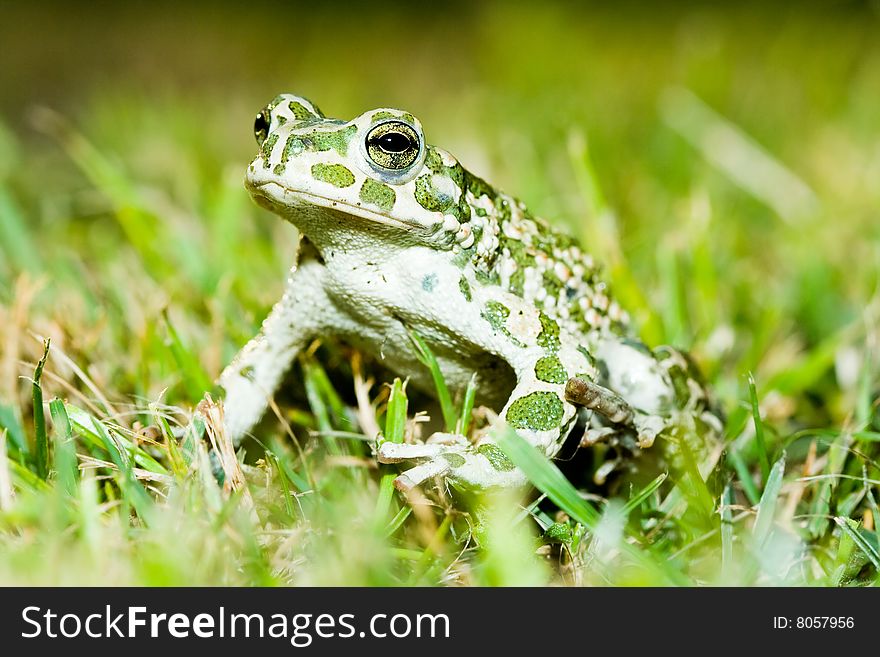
(541, 356)
(457, 460)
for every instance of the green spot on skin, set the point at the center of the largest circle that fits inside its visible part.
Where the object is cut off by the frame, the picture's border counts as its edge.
(465, 288)
(550, 370)
(638, 345)
(301, 112)
(490, 278)
(496, 314)
(503, 208)
(435, 201)
(456, 172)
(335, 174)
(462, 211)
(278, 170)
(538, 411)
(586, 354)
(523, 260)
(518, 281)
(552, 284)
(384, 114)
(455, 460)
(549, 336)
(497, 459)
(433, 161)
(293, 146)
(463, 257)
(429, 282)
(337, 140)
(558, 533)
(266, 150)
(479, 187)
(378, 194)
(428, 197)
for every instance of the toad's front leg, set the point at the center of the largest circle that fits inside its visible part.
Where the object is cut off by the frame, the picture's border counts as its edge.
(542, 358)
(255, 373)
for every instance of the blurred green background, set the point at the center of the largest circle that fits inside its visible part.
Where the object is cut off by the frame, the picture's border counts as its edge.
(166, 95)
(722, 161)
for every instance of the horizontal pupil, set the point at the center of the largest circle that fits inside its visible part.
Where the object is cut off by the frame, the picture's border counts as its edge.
(394, 142)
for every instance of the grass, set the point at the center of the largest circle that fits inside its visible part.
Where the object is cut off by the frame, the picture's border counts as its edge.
(720, 162)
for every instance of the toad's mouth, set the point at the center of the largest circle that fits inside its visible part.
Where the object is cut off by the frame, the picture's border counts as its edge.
(291, 202)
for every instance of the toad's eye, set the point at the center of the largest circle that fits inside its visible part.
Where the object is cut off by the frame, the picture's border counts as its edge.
(393, 145)
(261, 126)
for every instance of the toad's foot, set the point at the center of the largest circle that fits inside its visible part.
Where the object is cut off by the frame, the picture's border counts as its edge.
(453, 458)
(615, 409)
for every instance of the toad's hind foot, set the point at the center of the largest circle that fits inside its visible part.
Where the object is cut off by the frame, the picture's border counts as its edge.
(452, 457)
(615, 409)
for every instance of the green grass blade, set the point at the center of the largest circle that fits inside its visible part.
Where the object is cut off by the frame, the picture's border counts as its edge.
(196, 382)
(546, 477)
(14, 431)
(851, 528)
(843, 559)
(317, 402)
(335, 405)
(300, 481)
(395, 427)
(192, 437)
(427, 357)
(866, 383)
(42, 442)
(467, 406)
(759, 430)
(7, 494)
(825, 489)
(118, 448)
(728, 499)
(178, 458)
(645, 493)
(769, 499)
(24, 477)
(691, 485)
(397, 521)
(321, 407)
(745, 477)
(64, 452)
(285, 482)
(875, 512)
